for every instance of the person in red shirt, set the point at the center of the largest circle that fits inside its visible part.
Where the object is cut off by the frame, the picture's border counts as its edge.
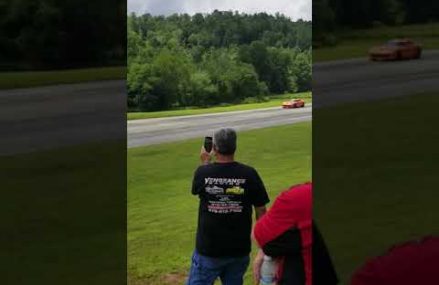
(287, 233)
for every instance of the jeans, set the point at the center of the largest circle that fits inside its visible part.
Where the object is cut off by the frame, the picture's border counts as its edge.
(205, 270)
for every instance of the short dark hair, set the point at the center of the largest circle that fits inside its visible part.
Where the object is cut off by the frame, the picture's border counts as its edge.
(224, 141)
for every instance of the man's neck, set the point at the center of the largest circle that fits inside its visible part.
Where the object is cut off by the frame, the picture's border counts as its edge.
(224, 158)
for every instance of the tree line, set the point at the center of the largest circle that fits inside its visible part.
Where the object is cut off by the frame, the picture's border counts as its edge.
(55, 34)
(209, 59)
(330, 15)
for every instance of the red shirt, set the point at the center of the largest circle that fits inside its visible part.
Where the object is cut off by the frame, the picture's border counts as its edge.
(292, 208)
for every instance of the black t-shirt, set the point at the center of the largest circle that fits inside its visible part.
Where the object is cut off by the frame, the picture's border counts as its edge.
(227, 192)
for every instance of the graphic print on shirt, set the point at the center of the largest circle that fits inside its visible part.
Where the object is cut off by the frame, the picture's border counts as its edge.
(225, 194)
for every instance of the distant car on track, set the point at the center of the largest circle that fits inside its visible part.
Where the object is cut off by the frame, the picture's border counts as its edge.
(293, 103)
(398, 49)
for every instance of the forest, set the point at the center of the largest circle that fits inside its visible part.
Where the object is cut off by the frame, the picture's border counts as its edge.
(55, 34)
(332, 16)
(211, 59)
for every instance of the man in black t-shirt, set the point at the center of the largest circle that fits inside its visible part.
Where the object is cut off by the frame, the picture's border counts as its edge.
(228, 190)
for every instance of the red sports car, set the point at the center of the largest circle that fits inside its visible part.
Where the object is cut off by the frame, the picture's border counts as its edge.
(396, 50)
(294, 103)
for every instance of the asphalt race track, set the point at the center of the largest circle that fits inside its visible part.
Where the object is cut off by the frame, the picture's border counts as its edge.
(359, 79)
(154, 131)
(42, 118)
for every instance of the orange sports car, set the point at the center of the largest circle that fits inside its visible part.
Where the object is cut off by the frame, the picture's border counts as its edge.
(294, 103)
(396, 50)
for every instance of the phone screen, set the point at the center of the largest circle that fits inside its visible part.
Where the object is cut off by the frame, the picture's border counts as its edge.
(208, 142)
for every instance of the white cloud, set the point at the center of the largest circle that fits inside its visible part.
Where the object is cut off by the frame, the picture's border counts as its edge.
(295, 9)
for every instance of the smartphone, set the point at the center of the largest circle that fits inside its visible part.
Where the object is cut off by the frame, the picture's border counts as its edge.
(208, 142)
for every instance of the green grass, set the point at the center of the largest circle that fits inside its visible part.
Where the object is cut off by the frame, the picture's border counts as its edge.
(356, 43)
(275, 101)
(377, 179)
(50, 225)
(25, 79)
(162, 214)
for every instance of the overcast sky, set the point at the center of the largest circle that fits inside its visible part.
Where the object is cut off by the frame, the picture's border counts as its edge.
(295, 9)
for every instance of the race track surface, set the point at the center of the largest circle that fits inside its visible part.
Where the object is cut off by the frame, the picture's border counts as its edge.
(42, 118)
(357, 80)
(155, 131)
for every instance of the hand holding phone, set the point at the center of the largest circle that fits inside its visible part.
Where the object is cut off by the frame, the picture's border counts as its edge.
(205, 150)
(208, 143)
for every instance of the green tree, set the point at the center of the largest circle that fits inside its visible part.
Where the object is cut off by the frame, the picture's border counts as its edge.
(202, 91)
(301, 71)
